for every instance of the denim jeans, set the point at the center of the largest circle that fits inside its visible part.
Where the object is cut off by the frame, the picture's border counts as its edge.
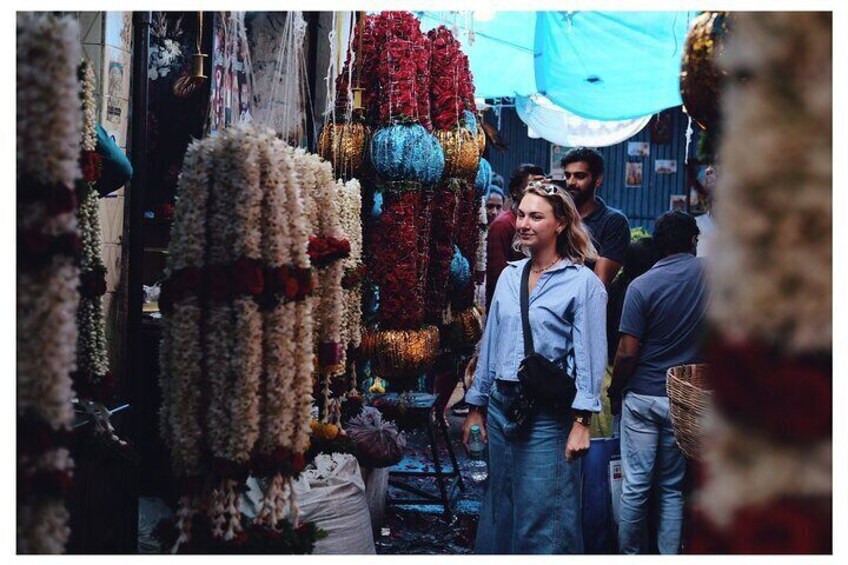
(532, 500)
(649, 456)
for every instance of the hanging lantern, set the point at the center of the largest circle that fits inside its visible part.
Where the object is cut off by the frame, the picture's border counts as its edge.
(462, 154)
(344, 145)
(407, 152)
(700, 76)
(403, 354)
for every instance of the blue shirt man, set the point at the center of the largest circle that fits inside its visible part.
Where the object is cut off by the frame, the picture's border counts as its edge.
(660, 327)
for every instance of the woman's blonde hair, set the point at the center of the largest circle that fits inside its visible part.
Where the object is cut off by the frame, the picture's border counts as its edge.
(574, 241)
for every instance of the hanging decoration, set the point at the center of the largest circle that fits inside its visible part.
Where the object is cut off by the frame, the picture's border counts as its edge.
(701, 77)
(92, 379)
(237, 350)
(772, 354)
(407, 160)
(49, 127)
(232, 73)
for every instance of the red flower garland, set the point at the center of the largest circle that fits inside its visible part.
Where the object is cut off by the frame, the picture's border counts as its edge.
(93, 283)
(441, 248)
(35, 248)
(91, 165)
(788, 397)
(58, 198)
(788, 526)
(445, 92)
(396, 261)
(244, 277)
(324, 250)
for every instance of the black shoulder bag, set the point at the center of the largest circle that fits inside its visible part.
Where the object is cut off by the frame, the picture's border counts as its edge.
(542, 382)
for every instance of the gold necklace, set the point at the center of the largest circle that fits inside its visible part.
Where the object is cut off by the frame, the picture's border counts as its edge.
(555, 261)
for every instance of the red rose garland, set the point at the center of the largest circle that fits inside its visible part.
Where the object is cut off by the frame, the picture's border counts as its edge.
(441, 247)
(445, 93)
(396, 261)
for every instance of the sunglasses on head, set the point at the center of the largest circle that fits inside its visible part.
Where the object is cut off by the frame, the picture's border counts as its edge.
(544, 185)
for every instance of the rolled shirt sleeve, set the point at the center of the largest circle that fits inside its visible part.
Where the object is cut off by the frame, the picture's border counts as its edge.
(590, 345)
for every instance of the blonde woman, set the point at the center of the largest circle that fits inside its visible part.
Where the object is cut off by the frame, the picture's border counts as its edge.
(532, 499)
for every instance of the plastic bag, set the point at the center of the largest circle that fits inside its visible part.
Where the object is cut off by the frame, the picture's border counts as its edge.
(378, 443)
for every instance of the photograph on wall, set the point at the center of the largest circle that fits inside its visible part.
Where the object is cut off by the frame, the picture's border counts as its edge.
(633, 174)
(557, 153)
(230, 89)
(638, 148)
(665, 166)
(701, 179)
(677, 203)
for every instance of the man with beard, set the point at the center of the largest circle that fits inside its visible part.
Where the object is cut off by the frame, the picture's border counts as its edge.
(609, 228)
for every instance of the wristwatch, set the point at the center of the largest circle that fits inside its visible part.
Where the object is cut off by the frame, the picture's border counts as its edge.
(582, 417)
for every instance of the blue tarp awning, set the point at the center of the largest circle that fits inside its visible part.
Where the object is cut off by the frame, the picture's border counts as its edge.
(598, 65)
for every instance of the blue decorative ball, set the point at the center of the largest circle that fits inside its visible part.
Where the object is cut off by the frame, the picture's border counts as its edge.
(460, 270)
(407, 152)
(484, 178)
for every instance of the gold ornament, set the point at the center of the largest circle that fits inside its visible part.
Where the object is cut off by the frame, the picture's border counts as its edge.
(700, 77)
(402, 354)
(481, 140)
(462, 152)
(470, 325)
(344, 145)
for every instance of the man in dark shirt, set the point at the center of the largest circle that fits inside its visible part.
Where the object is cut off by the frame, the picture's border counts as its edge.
(609, 228)
(502, 229)
(661, 326)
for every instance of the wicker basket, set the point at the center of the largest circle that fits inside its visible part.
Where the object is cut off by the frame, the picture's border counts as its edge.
(690, 400)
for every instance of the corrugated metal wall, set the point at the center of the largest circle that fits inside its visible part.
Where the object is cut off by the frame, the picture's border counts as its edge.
(642, 205)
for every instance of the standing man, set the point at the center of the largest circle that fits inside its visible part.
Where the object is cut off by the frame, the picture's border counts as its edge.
(609, 228)
(661, 325)
(502, 229)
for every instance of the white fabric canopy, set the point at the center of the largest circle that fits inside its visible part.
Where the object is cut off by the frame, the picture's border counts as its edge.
(561, 127)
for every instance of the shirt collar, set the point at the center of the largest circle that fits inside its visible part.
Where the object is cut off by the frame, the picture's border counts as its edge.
(563, 264)
(598, 211)
(671, 259)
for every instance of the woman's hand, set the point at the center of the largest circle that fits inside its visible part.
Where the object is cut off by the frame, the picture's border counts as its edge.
(578, 442)
(474, 418)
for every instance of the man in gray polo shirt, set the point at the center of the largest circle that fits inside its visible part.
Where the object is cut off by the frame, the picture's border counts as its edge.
(661, 327)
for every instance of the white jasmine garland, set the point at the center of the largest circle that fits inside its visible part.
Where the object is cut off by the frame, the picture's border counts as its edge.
(352, 229)
(247, 350)
(92, 359)
(49, 122)
(773, 201)
(304, 342)
(773, 208)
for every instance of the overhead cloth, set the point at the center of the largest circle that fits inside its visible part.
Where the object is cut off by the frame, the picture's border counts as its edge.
(610, 65)
(561, 127)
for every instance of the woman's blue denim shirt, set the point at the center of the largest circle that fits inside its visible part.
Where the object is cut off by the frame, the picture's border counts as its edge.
(568, 307)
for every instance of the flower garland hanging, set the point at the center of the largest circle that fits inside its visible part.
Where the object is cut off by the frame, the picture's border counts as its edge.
(772, 360)
(92, 379)
(238, 336)
(49, 124)
(351, 334)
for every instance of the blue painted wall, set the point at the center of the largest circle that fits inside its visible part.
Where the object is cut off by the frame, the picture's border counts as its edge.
(642, 205)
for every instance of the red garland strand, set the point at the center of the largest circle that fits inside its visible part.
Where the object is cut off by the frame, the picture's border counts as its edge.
(788, 526)
(441, 250)
(788, 397)
(396, 262)
(445, 99)
(244, 277)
